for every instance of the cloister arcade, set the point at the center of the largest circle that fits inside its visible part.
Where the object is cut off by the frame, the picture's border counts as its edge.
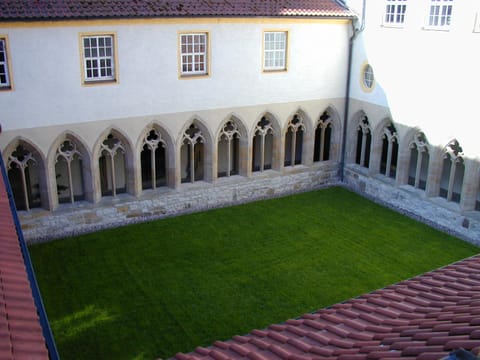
(72, 172)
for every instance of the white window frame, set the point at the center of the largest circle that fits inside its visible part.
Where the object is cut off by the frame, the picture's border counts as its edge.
(99, 58)
(275, 46)
(5, 80)
(395, 11)
(194, 53)
(439, 14)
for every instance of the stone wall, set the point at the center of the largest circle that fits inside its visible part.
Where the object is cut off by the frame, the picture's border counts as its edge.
(434, 211)
(42, 225)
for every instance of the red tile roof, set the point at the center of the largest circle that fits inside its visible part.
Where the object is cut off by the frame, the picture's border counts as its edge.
(423, 318)
(88, 9)
(20, 331)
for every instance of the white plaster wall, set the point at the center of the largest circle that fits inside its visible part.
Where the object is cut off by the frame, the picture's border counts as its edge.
(46, 70)
(427, 78)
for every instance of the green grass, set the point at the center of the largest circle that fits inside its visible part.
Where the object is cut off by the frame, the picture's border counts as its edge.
(151, 290)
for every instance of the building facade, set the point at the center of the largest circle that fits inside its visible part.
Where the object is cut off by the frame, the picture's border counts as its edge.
(122, 113)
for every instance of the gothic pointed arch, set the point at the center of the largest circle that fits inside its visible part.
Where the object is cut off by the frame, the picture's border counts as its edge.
(27, 174)
(363, 140)
(389, 149)
(294, 140)
(114, 157)
(195, 152)
(265, 142)
(156, 151)
(453, 170)
(231, 142)
(418, 160)
(69, 163)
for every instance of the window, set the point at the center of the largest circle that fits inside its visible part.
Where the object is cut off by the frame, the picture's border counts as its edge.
(440, 13)
(4, 71)
(275, 50)
(98, 58)
(395, 12)
(368, 78)
(194, 54)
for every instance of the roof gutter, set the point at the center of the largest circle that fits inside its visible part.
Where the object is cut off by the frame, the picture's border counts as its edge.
(356, 31)
(42, 314)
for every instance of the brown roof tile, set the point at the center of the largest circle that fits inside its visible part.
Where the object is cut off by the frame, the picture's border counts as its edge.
(87, 9)
(423, 318)
(20, 331)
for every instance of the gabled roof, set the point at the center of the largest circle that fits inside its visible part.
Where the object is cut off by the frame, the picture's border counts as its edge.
(11, 10)
(20, 331)
(423, 318)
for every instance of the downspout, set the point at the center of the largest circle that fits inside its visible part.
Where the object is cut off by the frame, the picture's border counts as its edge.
(356, 31)
(42, 314)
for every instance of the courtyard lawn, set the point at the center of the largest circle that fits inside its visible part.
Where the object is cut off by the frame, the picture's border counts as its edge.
(150, 290)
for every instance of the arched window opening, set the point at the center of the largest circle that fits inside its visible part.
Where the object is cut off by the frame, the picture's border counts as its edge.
(364, 143)
(192, 155)
(453, 171)
(112, 167)
(419, 159)
(294, 142)
(24, 178)
(323, 135)
(68, 173)
(388, 162)
(153, 161)
(228, 150)
(262, 146)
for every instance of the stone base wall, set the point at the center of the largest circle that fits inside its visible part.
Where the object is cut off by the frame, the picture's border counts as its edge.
(42, 225)
(434, 211)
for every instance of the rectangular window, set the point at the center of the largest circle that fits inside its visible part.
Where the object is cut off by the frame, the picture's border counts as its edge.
(275, 50)
(440, 13)
(4, 70)
(395, 12)
(194, 54)
(98, 58)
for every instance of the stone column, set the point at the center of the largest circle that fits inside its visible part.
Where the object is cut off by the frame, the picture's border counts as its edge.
(434, 172)
(470, 186)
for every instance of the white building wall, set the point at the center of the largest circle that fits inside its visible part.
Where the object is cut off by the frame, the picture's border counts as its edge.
(425, 77)
(48, 89)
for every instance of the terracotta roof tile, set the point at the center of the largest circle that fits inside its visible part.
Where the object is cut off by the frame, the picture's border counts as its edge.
(86, 9)
(20, 331)
(423, 318)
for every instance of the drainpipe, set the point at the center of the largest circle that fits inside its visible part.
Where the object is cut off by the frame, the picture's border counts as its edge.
(42, 314)
(356, 31)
